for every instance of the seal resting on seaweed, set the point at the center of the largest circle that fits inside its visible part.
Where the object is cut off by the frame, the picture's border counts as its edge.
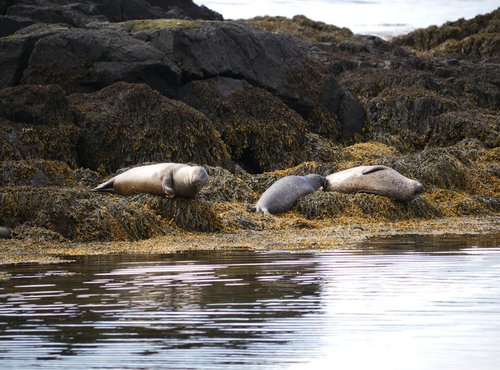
(379, 180)
(5, 232)
(169, 179)
(284, 193)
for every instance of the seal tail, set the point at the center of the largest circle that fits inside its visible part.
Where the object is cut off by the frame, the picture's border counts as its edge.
(105, 186)
(252, 209)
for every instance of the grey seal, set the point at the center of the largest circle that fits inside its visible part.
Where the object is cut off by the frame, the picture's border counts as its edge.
(379, 180)
(169, 179)
(5, 232)
(284, 193)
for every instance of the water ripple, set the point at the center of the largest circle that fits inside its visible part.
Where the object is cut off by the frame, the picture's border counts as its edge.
(411, 309)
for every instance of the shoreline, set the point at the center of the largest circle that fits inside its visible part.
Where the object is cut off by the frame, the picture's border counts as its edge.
(338, 234)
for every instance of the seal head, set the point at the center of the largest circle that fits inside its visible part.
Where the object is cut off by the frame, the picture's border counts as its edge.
(188, 181)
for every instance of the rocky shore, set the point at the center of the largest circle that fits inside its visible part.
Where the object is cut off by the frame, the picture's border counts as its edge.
(94, 87)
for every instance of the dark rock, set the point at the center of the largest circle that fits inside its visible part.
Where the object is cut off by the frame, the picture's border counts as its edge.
(16, 49)
(88, 59)
(37, 105)
(9, 25)
(80, 13)
(74, 14)
(5, 232)
(261, 132)
(128, 124)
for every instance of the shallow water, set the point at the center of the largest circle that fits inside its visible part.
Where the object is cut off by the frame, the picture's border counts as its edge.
(410, 303)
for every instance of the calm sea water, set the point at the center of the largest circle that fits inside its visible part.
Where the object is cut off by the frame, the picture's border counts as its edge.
(412, 303)
(377, 17)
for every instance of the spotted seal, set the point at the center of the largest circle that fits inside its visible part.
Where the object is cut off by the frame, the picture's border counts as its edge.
(379, 180)
(284, 193)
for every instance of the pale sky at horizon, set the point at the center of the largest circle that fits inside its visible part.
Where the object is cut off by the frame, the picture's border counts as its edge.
(359, 15)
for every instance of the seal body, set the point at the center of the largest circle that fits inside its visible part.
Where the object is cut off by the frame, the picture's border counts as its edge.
(169, 179)
(5, 232)
(284, 193)
(379, 180)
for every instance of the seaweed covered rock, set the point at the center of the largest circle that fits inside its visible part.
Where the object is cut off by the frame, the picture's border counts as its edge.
(35, 104)
(22, 141)
(455, 168)
(301, 27)
(36, 122)
(475, 37)
(79, 215)
(188, 214)
(43, 173)
(127, 124)
(223, 186)
(368, 206)
(36, 173)
(261, 132)
(412, 109)
(452, 203)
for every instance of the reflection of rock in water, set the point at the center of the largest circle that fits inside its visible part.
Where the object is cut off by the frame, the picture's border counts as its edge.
(178, 303)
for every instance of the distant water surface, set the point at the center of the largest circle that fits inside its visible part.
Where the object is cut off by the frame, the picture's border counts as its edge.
(407, 303)
(376, 17)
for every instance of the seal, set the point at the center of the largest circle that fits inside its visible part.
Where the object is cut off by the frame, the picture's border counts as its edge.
(379, 180)
(5, 232)
(284, 193)
(169, 179)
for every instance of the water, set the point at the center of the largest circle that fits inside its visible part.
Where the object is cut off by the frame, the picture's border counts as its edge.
(375, 17)
(411, 303)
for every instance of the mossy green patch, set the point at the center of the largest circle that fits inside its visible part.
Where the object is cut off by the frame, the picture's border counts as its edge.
(153, 24)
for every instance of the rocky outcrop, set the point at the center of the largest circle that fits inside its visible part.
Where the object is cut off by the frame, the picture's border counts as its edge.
(477, 37)
(301, 27)
(92, 87)
(78, 14)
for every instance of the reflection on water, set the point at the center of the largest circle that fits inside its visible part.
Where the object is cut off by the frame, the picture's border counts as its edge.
(411, 303)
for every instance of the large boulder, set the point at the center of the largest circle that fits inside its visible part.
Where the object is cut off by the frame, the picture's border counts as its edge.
(89, 59)
(127, 124)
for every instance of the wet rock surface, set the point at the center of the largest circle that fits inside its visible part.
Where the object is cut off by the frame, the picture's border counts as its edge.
(90, 88)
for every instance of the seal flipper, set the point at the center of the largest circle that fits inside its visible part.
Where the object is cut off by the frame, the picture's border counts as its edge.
(373, 169)
(252, 209)
(105, 186)
(168, 188)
